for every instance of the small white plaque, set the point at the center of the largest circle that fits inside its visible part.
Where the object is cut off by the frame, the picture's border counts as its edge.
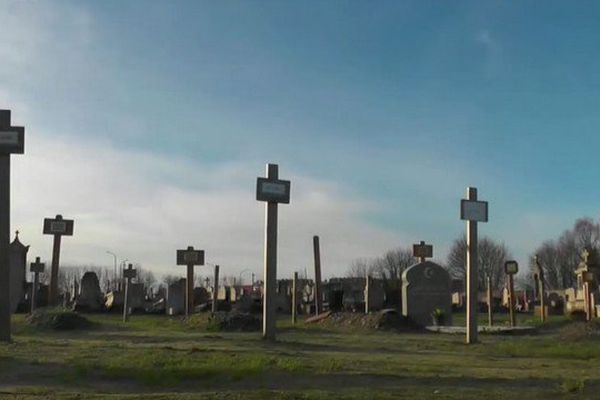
(471, 210)
(58, 227)
(9, 138)
(190, 257)
(273, 188)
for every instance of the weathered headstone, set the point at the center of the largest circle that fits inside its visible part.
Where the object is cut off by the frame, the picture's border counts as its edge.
(425, 289)
(176, 298)
(374, 295)
(90, 296)
(18, 268)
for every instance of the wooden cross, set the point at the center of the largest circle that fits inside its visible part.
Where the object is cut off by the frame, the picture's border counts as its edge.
(190, 257)
(37, 268)
(58, 227)
(422, 251)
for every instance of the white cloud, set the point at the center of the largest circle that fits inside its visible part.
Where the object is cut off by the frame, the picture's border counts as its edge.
(119, 204)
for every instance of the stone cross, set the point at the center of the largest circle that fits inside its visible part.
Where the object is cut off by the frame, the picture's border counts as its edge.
(12, 141)
(422, 251)
(273, 191)
(585, 255)
(37, 268)
(472, 211)
(128, 274)
(190, 257)
(57, 227)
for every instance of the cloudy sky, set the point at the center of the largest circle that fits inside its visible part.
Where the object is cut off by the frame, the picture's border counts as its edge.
(148, 122)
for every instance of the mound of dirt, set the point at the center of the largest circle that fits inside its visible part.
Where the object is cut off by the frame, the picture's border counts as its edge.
(382, 320)
(58, 319)
(579, 331)
(233, 321)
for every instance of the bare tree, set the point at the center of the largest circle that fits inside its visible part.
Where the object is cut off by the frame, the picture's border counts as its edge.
(359, 268)
(560, 258)
(393, 263)
(490, 257)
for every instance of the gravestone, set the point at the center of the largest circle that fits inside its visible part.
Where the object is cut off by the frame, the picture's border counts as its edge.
(137, 297)
(18, 265)
(425, 288)
(176, 297)
(90, 296)
(376, 295)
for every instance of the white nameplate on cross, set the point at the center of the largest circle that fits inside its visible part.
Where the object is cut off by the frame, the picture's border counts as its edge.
(190, 257)
(474, 210)
(58, 227)
(9, 138)
(274, 188)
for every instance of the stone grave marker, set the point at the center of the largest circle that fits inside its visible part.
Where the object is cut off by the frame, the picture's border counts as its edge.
(426, 288)
(90, 296)
(176, 297)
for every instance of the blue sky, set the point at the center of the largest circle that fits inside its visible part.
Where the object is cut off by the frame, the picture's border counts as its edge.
(383, 112)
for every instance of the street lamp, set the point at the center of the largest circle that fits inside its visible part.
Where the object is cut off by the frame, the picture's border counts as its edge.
(115, 273)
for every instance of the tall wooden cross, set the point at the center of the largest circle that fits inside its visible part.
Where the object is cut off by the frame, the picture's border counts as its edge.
(12, 141)
(422, 251)
(57, 227)
(273, 191)
(190, 257)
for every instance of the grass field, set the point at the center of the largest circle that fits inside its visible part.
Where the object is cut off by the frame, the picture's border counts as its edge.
(156, 357)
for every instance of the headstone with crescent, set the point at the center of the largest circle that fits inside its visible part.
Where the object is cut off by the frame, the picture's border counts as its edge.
(426, 288)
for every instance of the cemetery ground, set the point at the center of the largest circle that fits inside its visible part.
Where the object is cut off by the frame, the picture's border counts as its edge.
(153, 357)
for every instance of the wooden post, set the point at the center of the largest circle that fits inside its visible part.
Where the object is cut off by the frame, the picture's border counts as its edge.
(367, 293)
(189, 291)
(511, 300)
(472, 274)
(4, 253)
(318, 293)
(215, 290)
(294, 298)
(541, 288)
(489, 301)
(12, 141)
(129, 273)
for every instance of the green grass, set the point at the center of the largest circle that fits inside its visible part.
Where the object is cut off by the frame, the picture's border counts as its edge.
(156, 357)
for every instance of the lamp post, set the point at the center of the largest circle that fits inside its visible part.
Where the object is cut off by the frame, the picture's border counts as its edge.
(115, 272)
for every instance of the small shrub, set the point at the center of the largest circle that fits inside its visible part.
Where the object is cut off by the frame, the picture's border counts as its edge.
(233, 321)
(573, 386)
